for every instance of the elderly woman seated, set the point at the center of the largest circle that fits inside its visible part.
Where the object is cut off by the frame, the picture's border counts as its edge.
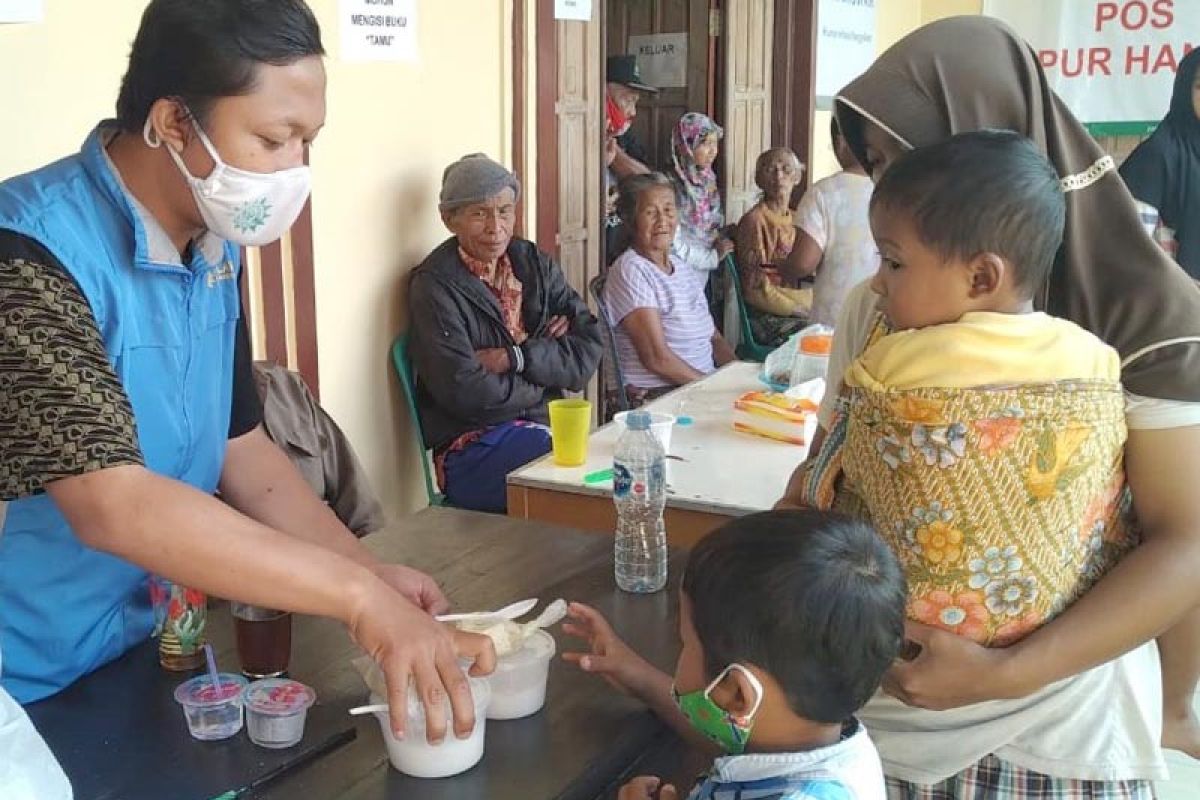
(496, 334)
(665, 335)
(766, 253)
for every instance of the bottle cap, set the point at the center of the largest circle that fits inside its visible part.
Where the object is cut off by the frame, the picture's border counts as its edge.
(638, 421)
(818, 344)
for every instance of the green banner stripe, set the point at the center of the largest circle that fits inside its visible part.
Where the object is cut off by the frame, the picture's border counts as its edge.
(1121, 128)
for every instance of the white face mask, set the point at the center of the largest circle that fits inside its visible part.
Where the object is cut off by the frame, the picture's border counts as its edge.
(247, 208)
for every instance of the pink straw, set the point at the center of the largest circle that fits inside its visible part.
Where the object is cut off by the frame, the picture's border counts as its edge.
(212, 668)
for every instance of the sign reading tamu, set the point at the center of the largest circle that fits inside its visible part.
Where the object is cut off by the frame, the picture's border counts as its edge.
(1112, 61)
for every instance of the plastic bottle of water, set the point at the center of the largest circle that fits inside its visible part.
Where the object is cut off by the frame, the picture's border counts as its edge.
(640, 494)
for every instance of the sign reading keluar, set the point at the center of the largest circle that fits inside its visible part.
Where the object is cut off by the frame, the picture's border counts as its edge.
(662, 58)
(1112, 61)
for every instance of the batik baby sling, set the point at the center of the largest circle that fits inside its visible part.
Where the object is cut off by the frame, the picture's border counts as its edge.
(1005, 501)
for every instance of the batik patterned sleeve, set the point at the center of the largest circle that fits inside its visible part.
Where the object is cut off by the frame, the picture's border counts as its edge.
(63, 411)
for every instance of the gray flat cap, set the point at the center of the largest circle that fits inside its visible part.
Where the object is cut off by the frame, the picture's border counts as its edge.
(474, 178)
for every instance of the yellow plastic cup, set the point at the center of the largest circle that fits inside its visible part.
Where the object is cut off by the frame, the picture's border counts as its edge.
(570, 424)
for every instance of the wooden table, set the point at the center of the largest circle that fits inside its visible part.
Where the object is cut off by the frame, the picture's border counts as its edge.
(120, 734)
(724, 473)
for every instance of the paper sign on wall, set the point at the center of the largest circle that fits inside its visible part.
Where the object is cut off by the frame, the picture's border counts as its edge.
(845, 43)
(378, 30)
(573, 9)
(22, 10)
(1112, 61)
(662, 58)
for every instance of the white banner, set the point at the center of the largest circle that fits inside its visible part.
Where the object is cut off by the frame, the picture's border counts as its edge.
(1112, 61)
(378, 30)
(845, 43)
(22, 10)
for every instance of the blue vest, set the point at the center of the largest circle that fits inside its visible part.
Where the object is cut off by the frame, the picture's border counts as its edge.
(66, 609)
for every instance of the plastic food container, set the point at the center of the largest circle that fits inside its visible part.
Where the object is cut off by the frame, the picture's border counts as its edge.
(414, 755)
(519, 682)
(276, 709)
(660, 425)
(812, 356)
(775, 416)
(212, 712)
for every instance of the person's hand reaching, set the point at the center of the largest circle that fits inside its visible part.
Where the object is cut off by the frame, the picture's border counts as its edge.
(607, 656)
(417, 587)
(411, 647)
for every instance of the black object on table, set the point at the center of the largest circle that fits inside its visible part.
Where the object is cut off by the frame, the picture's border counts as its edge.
(120, 734)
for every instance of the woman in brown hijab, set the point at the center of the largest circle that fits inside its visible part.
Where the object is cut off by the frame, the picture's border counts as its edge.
(1074, 705)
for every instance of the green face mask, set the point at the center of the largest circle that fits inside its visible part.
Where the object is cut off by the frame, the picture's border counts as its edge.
(729, 732)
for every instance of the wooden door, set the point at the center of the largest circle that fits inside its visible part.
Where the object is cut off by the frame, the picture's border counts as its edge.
(580, 161)
(657, 114)
(746, 46)
(570, 163)
(793, 77)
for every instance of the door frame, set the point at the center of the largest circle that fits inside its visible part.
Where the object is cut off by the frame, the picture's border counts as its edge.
(793, 86)
(547, 127)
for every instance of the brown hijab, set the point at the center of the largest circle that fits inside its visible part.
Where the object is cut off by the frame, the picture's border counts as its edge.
(970, 73)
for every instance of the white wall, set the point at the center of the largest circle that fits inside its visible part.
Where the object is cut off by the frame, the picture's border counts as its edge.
(392, 129)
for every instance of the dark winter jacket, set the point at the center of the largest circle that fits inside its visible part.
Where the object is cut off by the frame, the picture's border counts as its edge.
(454, 314)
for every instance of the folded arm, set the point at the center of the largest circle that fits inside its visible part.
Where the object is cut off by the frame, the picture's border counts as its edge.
(449, 367)
(570, 360)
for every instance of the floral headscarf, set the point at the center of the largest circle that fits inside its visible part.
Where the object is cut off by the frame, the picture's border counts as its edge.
(700, 212)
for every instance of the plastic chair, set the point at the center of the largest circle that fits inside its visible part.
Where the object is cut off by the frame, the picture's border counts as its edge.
(614, 377)
(748, 348)
(408, 381)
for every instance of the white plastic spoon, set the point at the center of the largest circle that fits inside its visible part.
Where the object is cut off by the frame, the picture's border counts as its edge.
(509, 612)
(550, 615)
(371, 709)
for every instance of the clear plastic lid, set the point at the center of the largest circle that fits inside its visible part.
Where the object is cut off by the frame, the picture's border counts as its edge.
(199, 691)
(279, 697)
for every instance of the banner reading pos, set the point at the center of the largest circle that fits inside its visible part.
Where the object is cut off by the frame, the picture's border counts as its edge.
(1112, 61)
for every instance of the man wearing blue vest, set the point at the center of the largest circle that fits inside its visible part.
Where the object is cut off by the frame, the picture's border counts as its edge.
(126, 395)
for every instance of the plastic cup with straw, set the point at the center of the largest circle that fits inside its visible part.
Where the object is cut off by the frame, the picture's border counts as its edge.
(212, 703)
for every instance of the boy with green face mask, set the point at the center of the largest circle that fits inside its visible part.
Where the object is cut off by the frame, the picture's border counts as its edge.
(788, 621)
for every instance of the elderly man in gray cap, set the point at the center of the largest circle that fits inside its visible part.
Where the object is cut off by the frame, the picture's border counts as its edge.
(496, 335)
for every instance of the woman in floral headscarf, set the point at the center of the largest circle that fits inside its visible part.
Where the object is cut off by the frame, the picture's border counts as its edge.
(694, 146)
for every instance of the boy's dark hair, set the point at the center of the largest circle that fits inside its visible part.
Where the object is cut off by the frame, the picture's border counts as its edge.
(815, 599)
(981, 192)
(201, 50)
(835, 131)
